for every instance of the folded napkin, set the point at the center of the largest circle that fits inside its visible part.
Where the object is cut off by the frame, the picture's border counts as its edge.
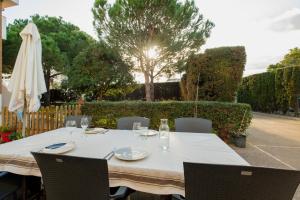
(95, 130)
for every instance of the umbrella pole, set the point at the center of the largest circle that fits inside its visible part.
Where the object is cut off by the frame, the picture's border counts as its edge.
(24, 117)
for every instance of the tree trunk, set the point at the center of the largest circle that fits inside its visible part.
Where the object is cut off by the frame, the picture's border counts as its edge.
(47, 94)
(146, 72)
(147, 86)
(152, 87)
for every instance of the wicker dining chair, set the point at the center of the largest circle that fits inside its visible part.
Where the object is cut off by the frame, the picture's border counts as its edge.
(126, 123)
(226, 182)
(9, 185)
(194, 125)
(77, 119)
(75, 178)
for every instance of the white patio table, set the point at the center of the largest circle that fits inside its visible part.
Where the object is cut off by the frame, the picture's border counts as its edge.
(160, 173)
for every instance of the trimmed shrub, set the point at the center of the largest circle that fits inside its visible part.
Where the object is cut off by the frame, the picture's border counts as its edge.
(226, 117)
(281, 98)
(277, 90)
(292, 86)
(258, 91)
(220, 72)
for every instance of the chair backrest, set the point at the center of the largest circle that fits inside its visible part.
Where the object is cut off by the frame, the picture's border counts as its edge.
(76, 118)
(73, 178)
(212, 182)
(194, 125)
(126, 123)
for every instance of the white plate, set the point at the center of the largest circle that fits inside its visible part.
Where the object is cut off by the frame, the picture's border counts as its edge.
(94, 130)
(130, 154)
(148, 132)
(63, 149)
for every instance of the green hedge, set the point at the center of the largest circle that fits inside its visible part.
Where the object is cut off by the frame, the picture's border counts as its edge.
(277, 90)
(226, 117)
(258, 91)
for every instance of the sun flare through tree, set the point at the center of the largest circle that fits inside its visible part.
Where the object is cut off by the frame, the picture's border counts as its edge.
(155, 37)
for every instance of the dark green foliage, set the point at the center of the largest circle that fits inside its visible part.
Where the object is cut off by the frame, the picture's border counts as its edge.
(292, 86)
(220, 72)
(274, 67)
(281, 98)
(58, 38)
(291, 59)
(277, 90)
(258, 91)
(163, 91)
(61, 42)
(61, 96)
(226, 117)
(98, 71)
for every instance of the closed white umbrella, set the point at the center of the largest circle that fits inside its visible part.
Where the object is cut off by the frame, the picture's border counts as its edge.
(27, 82)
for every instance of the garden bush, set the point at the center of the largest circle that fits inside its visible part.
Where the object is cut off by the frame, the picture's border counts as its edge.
(226, 117)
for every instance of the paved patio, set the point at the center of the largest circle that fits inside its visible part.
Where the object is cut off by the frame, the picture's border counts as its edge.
(274, 141)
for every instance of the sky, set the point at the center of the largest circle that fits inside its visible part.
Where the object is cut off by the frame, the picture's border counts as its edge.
(267, 28)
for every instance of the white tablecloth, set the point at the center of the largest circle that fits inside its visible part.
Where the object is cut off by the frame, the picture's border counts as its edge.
(160, 173)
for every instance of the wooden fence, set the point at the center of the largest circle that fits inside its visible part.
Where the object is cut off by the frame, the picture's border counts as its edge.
(46, 119)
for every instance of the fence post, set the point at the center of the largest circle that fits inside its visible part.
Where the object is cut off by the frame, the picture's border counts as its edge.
(6, 116)
(56, 118)
(28, 127)
(61, 116)
(42, 120)
(52, 118)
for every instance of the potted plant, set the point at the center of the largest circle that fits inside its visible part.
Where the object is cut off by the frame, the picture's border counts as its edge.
(15, 136)
(5, 132)
(239, 137)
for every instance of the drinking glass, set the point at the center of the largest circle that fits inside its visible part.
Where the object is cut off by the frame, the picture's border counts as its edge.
(143, 130)
(136, 127)
(84, 123)
(164, 134)
(70, 125)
